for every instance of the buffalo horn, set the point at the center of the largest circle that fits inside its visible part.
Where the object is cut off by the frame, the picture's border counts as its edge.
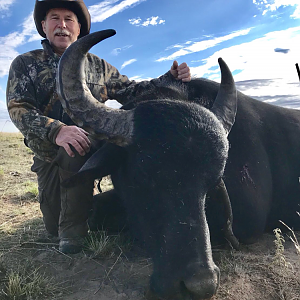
(225, 104)
(86, 111)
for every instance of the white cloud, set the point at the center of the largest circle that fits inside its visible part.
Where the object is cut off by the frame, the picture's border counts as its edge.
(7, 51)
(135, 21)
(29, 29)
(153, 21)
(10, 42)
(139, 78)
(117, 51)
(273, 5)
(257, 59)
(5, 4)
(202, 45)
(105, 9)
(128, 62)
(296, 14)
(264, 74)
(5, 8)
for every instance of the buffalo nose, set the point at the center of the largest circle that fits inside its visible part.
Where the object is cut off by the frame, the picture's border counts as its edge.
(203, 284)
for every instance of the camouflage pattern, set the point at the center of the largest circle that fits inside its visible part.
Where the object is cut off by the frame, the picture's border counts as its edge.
(33, 103)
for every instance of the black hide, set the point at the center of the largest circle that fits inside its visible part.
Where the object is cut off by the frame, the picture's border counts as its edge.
(177, 157)
(263, 167)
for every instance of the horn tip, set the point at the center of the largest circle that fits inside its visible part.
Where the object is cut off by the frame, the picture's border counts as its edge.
(221, 61)
(111, 32)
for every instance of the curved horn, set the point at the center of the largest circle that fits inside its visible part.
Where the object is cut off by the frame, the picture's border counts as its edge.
(77, 100)
(225, 104)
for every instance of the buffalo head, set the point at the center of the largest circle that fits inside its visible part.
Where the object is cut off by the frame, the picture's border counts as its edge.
(164, 156)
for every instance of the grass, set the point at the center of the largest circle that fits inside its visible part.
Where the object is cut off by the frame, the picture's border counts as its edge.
(29, 283)
(22, 231)
(20, 223)
(31, 190)
(32, 268)
(293, 237)
(100, 244)
(279, 257)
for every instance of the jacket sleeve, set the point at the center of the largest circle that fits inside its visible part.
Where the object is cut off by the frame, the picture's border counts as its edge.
(120, 88)
(23, 107)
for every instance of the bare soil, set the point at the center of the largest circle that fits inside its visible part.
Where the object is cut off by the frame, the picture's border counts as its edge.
(254, 272)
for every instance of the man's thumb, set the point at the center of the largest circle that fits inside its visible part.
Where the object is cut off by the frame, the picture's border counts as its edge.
(175, 65)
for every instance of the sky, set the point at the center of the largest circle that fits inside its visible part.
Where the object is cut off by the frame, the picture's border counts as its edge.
(258, 39)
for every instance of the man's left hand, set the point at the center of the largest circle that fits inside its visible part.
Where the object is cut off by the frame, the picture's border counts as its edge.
(181, 72)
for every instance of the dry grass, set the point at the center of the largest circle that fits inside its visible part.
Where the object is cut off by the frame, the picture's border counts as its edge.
(100, 244)
(22, 232)
(253, 273)
(18, 187)
(32, 268)
(292, 236)
(20, 222)
(30, 283)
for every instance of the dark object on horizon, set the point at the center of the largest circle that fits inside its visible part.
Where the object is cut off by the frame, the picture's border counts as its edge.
(298, 70)
(280, 50)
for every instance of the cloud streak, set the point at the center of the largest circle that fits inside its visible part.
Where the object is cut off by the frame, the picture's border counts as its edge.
(128, 62)
(105, 9)
(117, 51)
(202, 45)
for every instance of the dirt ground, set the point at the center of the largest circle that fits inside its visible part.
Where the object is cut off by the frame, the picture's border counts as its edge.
(258, 271)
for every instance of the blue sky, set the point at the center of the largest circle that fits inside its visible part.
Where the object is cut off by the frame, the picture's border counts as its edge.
(259, 40)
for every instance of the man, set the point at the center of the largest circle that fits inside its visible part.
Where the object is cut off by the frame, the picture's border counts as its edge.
(60, 147)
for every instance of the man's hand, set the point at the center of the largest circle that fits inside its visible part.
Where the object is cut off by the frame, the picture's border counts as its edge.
(75, 136)
(181, 72)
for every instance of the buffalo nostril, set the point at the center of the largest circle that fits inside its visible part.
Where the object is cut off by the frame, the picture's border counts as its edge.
(202, 285)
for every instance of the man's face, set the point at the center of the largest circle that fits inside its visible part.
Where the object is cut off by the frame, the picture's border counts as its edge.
(61, 28)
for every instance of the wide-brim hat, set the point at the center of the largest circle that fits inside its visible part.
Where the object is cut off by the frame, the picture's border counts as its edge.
(77, 6)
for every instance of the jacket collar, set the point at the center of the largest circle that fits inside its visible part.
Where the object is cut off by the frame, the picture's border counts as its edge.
(48, 48)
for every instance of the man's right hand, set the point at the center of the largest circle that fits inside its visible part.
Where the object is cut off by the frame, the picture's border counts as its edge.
(75, 136)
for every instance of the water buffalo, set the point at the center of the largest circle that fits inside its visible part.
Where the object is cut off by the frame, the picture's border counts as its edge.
(166, 155)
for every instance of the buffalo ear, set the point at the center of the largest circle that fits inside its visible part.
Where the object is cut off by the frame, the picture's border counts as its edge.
(103, 162)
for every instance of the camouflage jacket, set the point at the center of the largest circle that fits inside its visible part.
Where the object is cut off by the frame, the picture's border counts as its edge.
(33, 103)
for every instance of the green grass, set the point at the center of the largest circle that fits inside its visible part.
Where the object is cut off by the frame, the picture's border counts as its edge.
(29, 282)
(31, 189)
(100, 244)
(279, 257)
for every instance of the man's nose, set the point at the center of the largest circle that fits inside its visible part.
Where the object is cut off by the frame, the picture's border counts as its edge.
(62, 23)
